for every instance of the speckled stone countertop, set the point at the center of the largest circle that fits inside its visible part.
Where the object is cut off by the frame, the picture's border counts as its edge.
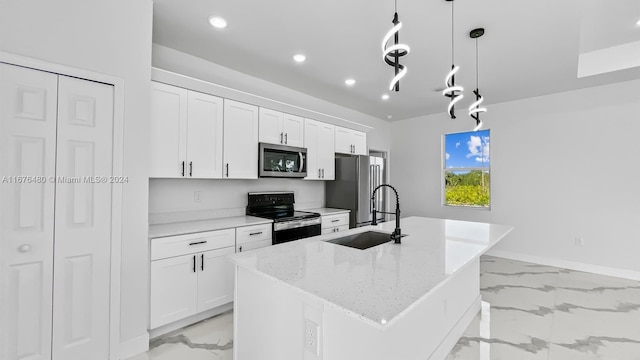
(327, 211)
(381, 283)
(190, 227)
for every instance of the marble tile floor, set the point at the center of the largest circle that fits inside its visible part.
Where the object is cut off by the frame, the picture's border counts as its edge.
(529, 311)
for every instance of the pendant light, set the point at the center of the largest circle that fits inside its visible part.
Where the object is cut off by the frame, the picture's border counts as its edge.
(452, 90)
(475, 110)
(391, 54)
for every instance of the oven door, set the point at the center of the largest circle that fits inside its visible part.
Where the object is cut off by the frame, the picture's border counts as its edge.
(282, 161)
(295, 230)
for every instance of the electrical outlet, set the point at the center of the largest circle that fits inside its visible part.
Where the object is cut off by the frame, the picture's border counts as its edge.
(197, 196)
(311, 338)
(579, 241)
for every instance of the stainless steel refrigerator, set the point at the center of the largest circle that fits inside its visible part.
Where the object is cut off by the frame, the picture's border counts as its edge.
(356, 177)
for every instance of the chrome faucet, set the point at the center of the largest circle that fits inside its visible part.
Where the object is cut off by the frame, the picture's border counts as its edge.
(396, 235)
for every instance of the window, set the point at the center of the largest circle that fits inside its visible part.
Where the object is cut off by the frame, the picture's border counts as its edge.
(466, 170)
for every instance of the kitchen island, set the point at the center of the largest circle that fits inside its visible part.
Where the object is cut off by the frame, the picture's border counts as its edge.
(312, 299)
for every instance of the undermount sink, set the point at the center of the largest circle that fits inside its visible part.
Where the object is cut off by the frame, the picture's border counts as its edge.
(363, 240)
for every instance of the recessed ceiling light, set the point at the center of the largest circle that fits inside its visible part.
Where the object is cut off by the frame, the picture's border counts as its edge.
(218, 22)
(299, 58)
(350, 82)
(385, 96)
(389, 116)
(638, 22)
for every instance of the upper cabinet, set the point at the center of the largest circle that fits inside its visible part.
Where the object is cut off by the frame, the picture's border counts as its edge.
(240, 140)
(280, 128)
(350, 141)
(185, 133)
(319, 140)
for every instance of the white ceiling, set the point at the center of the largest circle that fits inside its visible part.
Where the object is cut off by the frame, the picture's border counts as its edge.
(530, 48)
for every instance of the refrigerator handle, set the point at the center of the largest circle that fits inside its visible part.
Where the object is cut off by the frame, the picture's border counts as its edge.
(372, 185)
(378, 182)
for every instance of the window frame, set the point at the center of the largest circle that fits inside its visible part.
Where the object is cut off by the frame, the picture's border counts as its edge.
(444, 170)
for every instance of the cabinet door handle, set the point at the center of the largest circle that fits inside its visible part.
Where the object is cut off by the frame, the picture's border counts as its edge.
(191, 168)
(227, 166)
(335, 220)
(240, 249)
(183, 168)
(319, 174)
(202, 262)
(286, 141)
(255, 233)
(281, 135)
(323, 173)
(198, 242)
(194, 263)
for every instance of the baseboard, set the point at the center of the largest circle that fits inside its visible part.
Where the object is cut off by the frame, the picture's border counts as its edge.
(133, 347)
(572, 265)
(458, 330)
(165, 329)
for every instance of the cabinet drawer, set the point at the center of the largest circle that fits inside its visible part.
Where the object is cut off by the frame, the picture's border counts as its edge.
(253, 233)
(335, 229)
(330, 221)
(166, 247)
(253, 245)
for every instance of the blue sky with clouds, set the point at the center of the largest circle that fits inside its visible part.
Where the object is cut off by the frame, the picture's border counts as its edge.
(465, 150)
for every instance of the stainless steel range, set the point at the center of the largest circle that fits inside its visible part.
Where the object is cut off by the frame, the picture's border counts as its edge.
(288, 224)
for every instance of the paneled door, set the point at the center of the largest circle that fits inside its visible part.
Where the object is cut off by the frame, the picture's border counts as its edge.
(27, 150)
(55, 211)
(82, 220)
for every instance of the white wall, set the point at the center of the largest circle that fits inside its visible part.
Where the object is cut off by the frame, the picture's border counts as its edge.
(229, 197)
(563, 166)
(114, 38)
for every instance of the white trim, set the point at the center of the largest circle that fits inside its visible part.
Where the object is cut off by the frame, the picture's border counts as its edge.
(566, 264)
(118, 160)
(133, 347)
(179, 324)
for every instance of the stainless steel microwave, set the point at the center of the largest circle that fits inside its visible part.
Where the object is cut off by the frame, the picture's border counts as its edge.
(282, 161)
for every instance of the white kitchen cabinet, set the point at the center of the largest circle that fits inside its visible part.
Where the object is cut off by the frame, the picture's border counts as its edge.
(55, 236)
(281, 128)
(349, 141)
(253, 237)
(335, 223)
(240, 140)
(174, 289)
(215, 279)
(185, 133)
(319, 140)
(190, 274)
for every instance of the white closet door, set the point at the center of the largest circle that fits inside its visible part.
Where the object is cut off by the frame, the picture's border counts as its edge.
(83, 221)
(204, 136)
(27, 148)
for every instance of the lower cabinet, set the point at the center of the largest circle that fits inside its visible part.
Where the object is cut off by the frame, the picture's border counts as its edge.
(335, 223)
(191, 273)
(198, 279)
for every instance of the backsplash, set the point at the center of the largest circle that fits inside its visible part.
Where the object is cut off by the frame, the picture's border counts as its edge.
(172, 200)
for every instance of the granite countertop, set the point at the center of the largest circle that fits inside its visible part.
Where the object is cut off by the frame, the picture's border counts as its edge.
(327, 211)
(379, 284)
(189, 227)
